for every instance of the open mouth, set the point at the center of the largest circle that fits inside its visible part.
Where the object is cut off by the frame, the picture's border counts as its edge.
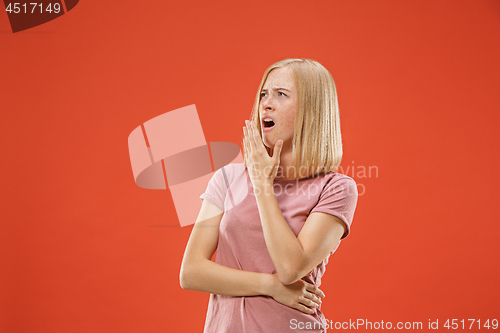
(268, 123)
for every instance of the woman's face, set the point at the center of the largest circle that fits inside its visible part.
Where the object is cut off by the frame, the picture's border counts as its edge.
(278, 103)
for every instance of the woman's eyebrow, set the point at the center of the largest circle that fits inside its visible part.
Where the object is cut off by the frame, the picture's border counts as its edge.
(277, 88)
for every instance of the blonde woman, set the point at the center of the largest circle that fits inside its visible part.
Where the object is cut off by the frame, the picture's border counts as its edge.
(273, 246)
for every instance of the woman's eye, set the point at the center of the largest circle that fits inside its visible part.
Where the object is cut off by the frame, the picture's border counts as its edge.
(262, 94)
(282, 93)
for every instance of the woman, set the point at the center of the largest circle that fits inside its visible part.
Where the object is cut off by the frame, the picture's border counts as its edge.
(274, 244)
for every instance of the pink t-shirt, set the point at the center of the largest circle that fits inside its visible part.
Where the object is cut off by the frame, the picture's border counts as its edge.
(242, 245)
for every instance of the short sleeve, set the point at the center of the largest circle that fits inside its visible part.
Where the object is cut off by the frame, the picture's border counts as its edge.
(339, 198)
(216, 189)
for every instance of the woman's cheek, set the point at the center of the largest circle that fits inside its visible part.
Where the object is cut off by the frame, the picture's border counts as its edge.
(288, 127)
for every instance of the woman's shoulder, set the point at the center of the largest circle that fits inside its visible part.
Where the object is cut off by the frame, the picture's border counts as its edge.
(335, 176)
(232, 170)
(332, 177)
(341, 184)
(333, 181)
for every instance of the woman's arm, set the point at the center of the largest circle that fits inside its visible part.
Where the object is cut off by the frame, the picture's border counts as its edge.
(294, 257)
(199, 273)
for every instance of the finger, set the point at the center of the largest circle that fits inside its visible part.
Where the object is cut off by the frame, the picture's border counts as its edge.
(248, 129)
(313, 298)
(251, 136)
(313, 289)
(244, 144)
(247, 145)
(304, 308)
(308, 302)
(318, 294)
(308, 310)
(277, 152)
(257, 140)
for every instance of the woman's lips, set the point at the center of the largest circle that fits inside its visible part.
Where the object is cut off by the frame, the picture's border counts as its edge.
(267, 129)
(266, 124)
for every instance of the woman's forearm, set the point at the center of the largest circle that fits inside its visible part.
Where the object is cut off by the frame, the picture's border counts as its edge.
(207, 276)
(284, 248)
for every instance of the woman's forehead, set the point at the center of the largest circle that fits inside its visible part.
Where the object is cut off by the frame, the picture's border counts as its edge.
(279, 78)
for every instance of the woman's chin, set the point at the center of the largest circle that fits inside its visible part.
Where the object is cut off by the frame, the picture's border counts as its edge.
(268, 144)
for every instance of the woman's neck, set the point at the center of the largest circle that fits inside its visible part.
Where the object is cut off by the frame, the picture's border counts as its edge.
(286, 170)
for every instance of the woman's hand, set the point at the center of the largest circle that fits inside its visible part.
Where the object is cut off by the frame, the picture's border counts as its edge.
(261, 167)
(299, 295)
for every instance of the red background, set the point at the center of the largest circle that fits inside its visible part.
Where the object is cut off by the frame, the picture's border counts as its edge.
(83, 249)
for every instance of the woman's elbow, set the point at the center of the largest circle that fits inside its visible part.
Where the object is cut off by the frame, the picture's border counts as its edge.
(185, 278)
(288, 277)
(291, 274)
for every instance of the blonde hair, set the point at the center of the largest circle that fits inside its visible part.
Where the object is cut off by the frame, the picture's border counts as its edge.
(317, 140)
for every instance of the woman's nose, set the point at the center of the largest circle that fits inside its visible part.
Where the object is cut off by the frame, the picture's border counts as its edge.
(268, 103)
